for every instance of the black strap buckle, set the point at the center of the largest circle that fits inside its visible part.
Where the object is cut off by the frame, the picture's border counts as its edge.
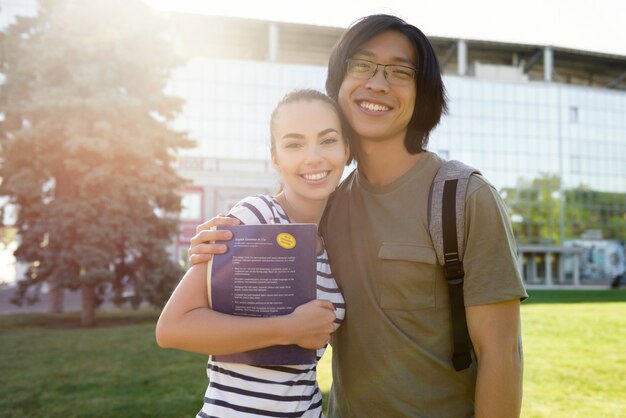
(454, 272)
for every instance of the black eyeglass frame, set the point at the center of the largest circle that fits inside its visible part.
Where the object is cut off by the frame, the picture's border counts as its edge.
(385, 73)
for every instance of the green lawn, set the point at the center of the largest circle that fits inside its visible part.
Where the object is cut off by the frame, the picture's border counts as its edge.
(575, 363)
(114, 370)
(575, 354)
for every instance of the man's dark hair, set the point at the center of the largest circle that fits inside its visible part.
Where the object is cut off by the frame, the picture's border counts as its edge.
(430, 98)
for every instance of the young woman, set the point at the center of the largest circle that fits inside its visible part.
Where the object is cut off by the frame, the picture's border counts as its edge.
(309, 152)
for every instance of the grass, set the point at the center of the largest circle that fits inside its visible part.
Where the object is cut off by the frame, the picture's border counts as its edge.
(575, 354)
(575, 361)
(575, 296)
(114, 370)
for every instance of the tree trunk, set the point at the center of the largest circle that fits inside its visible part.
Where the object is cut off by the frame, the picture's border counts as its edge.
(57, 296)
(88, 314)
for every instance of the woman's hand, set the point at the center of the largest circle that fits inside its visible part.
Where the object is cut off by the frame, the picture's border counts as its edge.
(206, 242)
(311, 324)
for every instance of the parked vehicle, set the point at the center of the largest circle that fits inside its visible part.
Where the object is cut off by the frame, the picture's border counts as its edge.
(601, 260)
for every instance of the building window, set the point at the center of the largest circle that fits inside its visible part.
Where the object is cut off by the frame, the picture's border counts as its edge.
(575, 164)
(192, 206)
(573, 114)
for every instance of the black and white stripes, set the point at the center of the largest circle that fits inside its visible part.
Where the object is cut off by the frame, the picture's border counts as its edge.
(241, 390)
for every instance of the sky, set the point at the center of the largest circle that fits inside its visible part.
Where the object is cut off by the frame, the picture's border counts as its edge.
(598, 25)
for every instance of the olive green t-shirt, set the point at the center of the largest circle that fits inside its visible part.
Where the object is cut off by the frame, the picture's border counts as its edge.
(392, 354)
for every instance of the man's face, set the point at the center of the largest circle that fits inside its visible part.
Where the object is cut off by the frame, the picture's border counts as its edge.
(377, 110)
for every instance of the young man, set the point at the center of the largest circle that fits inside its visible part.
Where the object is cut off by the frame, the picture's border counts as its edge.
(392, 356)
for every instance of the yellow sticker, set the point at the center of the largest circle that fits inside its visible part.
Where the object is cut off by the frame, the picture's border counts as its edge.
(285, 240)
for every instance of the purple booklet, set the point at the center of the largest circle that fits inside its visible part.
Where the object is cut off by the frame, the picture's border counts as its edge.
(269, 270)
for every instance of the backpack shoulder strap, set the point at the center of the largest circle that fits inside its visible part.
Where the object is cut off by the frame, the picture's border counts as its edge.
(446, 223)
(453, 176)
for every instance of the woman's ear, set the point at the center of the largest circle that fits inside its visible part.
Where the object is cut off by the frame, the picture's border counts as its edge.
(275, 163)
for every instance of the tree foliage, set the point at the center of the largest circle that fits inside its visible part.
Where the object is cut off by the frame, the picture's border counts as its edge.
(592, 209)
(87, 147)
(535, 209)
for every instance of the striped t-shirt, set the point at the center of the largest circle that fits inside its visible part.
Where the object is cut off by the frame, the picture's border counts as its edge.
(242, 390)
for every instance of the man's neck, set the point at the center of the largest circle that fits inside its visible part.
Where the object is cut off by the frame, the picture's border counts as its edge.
(383, 162)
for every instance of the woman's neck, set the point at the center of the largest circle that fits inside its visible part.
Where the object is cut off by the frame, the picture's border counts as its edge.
(301, 210)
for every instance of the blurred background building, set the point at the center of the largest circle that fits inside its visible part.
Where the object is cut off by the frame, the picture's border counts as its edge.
(546, 125)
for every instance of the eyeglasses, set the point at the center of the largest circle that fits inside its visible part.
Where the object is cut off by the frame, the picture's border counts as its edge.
(397, 75)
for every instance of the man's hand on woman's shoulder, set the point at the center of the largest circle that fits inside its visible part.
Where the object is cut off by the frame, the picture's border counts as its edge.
(206, 242)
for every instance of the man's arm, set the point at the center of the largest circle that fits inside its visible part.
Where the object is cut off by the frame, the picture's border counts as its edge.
(209, 241)
(495, 333)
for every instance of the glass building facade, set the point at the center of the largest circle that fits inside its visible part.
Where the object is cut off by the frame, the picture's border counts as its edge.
(9, 9)
(511, 131)
(520, 135)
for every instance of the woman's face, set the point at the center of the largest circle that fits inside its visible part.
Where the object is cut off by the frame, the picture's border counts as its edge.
(376, 109)
(310, 151)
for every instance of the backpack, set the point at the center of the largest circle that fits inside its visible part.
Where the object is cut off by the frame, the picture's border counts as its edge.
(446, 223)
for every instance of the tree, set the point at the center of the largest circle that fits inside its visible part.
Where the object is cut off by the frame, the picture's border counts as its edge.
(535, 210)
(591, 209)
(87, 148)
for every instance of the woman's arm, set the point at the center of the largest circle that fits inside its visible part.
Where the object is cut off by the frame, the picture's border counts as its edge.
(187, 323)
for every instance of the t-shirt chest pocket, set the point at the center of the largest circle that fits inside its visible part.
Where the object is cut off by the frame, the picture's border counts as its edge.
(406, 279)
